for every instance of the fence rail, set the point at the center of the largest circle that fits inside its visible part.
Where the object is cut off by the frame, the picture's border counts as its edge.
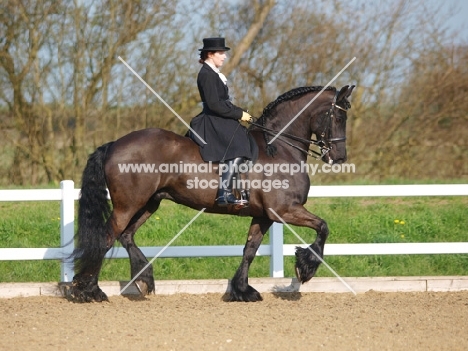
(67, 195)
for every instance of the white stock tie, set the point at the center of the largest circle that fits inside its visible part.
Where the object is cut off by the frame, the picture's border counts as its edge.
(223, 77)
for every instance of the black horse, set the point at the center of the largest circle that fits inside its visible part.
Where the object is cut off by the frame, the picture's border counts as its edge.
(137, 195)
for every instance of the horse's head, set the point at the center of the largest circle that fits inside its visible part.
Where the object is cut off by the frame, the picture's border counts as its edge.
(290, 120)
(330, 128)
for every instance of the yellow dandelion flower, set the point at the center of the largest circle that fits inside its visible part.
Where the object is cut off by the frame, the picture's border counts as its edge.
(402, 222)
(396, 221)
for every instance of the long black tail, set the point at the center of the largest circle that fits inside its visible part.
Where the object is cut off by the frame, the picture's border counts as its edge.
(94, 209)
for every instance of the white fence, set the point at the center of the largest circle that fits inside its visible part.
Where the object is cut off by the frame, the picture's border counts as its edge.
(67, 195)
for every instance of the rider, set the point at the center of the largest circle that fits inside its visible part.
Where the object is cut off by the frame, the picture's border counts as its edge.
(221, 124)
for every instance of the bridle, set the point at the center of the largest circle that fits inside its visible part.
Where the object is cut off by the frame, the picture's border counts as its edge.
(325, 144)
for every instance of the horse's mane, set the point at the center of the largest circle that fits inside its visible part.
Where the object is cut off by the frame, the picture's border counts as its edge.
(290, 95)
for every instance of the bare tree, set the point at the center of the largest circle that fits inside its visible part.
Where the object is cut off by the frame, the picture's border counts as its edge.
(427, 125)
(63, 90)
(90, 37)
(26, 26)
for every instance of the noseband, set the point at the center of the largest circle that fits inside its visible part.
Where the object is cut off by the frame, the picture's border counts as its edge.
(325, 144)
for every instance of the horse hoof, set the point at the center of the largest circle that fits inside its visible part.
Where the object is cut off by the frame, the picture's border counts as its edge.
(304, 274)
(306, 264)
(97, 295)
(142, 287)
(100, 296)
(250, 295)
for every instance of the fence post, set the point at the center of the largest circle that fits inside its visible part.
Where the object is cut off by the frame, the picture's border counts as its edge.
(276, 247)
(67, 229)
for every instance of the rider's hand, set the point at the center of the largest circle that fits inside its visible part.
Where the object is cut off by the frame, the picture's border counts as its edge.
(245, 119)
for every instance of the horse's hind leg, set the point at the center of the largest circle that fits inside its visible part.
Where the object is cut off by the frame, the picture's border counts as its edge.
(85, 286)
(145, 280)
(120, 225)
(240, 288)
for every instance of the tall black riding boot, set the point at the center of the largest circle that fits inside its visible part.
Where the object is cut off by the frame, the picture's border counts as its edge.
(225, 196)
(244, 193)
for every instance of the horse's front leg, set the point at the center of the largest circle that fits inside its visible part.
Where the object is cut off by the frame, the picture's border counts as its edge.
(240, 288)
(307, 259)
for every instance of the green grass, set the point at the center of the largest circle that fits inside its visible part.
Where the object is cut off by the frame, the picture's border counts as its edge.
(350, 220)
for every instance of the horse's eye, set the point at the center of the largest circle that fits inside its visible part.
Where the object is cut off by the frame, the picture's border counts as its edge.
(340, 118)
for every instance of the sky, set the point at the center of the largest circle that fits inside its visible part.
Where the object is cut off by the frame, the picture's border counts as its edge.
(455, 10)
(459, 21)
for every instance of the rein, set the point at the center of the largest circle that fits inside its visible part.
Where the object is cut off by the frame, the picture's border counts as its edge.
(309, 152)
(321, 143)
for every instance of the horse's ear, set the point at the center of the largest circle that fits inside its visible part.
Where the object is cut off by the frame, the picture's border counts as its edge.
(350, 90)
(345, 92)
(342, 93)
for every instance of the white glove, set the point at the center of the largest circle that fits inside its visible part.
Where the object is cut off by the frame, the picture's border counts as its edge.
(245, 119)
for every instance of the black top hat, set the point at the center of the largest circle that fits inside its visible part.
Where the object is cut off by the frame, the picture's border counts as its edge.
(214, 44)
